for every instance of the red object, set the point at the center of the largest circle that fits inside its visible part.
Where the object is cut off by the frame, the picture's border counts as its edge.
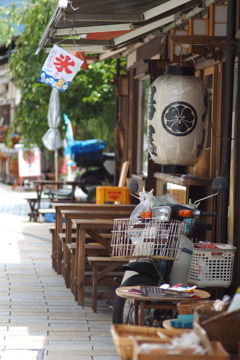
(196, 297)
(135, 291)
(108, 35)
(177, 285)
(63, 63)
(208, 245)
(80, 55)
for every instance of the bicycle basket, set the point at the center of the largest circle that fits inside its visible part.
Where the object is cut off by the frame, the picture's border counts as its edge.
(149, 238)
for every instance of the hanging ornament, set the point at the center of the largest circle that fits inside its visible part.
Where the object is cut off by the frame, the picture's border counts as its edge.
(59, 68)
(178, 113)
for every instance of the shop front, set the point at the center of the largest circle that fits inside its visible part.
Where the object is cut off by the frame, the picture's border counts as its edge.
(152, 36)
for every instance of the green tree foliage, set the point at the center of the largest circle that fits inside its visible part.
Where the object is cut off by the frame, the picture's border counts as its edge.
(89, 100)
(90, 103)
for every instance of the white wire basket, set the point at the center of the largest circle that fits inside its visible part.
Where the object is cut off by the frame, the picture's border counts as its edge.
(147, 238)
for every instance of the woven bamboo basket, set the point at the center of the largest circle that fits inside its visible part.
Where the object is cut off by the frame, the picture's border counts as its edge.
(225, 328)
(189, 306)
(123, 336)
(218, 353)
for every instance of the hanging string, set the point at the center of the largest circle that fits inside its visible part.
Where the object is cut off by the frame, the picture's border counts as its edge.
(72, 32)
(70, 2)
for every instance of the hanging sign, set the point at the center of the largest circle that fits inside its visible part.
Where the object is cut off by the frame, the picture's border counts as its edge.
(59, 68)
(29, 162)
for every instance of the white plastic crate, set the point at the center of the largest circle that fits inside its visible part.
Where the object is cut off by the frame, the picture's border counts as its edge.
(212, 267)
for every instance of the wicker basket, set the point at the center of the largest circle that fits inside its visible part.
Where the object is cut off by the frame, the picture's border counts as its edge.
(225, 328)
(123, 336)
(218, 353)
(189, 306)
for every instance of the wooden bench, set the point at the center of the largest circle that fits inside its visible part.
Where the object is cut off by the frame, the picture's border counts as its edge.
(72, 248)
(103, 274)
(91, 249)
(100, 212)
(77, 206)
(52, 230)
(33, 202)
(34, 207)
(54, 252)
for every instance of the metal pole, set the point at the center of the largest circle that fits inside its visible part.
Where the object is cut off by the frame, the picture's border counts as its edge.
(227, 131)
(56, 170)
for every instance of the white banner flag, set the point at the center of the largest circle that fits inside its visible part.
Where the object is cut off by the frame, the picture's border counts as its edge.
(59, 68)
(29, 162)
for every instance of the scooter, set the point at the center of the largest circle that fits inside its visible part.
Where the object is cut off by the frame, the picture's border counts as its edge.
(102, 174)
(148, 268)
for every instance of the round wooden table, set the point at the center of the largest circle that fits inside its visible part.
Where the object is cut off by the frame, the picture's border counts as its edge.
(147, 302)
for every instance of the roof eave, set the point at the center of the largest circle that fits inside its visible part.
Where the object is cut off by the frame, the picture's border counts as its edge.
(49, 29)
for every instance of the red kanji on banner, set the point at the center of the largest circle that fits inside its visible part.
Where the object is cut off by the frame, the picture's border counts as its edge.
(63, 63)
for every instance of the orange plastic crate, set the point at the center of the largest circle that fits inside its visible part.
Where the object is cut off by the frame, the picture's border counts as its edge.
(112, 194)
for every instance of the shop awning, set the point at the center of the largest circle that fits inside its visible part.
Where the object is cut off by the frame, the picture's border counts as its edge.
(109, 26)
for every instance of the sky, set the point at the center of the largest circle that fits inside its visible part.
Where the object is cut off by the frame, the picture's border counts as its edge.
(4, 2)
(18, 2)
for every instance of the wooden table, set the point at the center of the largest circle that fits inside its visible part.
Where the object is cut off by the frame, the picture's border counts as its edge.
(90, 227)
(147, 302)
(94, 213)
(40, 184)
(56, 246)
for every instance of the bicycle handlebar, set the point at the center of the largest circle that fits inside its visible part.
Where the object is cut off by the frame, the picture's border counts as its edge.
(203, 213)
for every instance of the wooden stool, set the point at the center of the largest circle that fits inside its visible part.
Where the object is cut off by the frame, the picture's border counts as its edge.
(73, 277)
(92, 249)
(52, 230)
(54, 254)
(103, 273)
(33, 202)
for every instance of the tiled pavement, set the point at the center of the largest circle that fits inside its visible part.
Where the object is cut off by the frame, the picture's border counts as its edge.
(39, 318)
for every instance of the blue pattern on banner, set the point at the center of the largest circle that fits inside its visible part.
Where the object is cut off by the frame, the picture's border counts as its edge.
(49, 80)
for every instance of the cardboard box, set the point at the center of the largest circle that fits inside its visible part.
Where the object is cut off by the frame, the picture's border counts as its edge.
(179, 194)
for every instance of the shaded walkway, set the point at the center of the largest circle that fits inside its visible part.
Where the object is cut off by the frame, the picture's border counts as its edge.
(39, 318)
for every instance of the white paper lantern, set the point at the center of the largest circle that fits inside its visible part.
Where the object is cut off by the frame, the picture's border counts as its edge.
(178, 113)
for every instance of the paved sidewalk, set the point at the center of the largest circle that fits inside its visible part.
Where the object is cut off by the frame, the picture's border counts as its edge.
(39, 318)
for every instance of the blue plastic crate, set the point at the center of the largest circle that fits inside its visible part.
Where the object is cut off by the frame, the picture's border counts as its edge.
(49, 217)
(183, 321)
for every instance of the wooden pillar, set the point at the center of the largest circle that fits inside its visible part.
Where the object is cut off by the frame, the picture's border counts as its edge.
(236, 208)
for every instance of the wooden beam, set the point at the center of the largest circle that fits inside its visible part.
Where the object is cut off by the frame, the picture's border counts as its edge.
(70, 41)
(198, 39)
(209, 51)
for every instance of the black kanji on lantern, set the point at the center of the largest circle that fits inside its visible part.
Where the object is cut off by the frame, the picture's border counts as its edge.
(206, 104)
(152, 102)
(152, 148)
(179, 118)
